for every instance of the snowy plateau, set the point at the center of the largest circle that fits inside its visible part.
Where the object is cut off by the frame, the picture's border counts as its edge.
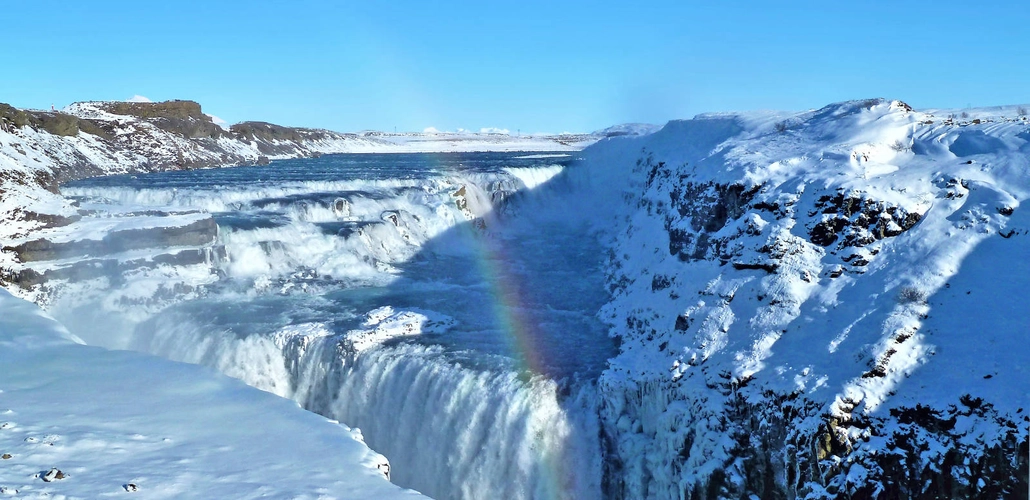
(824, 304)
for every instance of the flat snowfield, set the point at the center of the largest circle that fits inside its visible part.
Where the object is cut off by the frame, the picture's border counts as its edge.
(115, 421)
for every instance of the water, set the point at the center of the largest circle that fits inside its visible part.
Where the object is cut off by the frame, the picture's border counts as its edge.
(444, 304)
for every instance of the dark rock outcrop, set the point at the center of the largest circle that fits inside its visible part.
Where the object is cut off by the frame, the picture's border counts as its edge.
(858, 220)
(52, 475)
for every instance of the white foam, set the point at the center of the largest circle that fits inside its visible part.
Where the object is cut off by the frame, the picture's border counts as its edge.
(533, 177)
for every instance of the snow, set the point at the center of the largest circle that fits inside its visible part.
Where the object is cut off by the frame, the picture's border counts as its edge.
(29, 157)
(144, 137)
(435, 141)
(218, 121)
(93, 228)
(926, 317)
(385, 323)
(471, 434)
(628, 129)
(819, 274)
(541, 156)
(738, 148)
(110, 419)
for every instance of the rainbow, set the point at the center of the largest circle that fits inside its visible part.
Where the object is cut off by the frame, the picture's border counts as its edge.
(507, 307)
(520, 333)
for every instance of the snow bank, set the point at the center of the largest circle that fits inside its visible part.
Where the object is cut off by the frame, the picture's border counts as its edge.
(116, 421)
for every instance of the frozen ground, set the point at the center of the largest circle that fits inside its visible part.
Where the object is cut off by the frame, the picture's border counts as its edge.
(438, 142)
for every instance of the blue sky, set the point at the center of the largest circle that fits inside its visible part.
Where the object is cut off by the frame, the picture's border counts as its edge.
(529, 65)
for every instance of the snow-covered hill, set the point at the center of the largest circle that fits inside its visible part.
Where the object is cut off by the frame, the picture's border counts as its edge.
(823, 304)
(464, 141)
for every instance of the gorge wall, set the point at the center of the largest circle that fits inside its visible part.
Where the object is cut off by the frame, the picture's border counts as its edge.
(819, 305)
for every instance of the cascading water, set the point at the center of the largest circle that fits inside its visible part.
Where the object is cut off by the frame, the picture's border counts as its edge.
(401, 294)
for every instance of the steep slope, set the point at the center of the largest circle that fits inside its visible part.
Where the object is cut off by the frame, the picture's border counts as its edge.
(823, 304)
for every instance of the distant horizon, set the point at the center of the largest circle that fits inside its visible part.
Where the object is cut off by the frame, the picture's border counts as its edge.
(532, 66)
(505, 131)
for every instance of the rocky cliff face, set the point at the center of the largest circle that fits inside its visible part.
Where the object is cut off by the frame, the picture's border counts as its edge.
(820, 305)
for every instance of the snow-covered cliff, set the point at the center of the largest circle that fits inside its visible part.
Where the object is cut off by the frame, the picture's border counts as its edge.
(822, 304)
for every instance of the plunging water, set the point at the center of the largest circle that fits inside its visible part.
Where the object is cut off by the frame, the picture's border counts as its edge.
(443, 304)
